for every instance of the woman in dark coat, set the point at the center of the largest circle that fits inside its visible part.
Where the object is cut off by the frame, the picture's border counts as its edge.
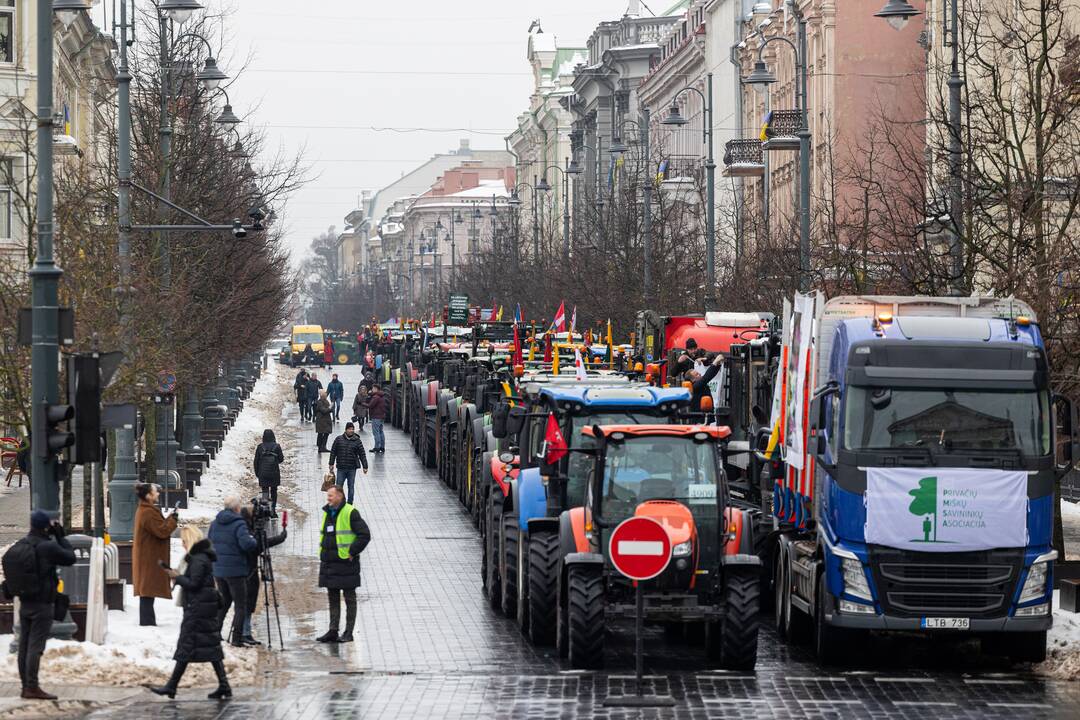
(324, 421)
(200, 633)
(268, 459)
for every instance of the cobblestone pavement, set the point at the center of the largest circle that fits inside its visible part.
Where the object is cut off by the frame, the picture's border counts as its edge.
(429, 647)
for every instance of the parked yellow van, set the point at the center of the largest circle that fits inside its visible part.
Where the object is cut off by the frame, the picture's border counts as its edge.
(307, 345)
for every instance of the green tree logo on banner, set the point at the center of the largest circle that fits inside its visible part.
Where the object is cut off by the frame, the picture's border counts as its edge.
(924, 505)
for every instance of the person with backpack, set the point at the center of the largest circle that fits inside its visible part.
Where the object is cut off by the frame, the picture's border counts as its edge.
(268, 459)
(30, 575)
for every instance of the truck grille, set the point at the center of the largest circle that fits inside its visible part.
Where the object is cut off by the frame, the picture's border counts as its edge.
(978, 584)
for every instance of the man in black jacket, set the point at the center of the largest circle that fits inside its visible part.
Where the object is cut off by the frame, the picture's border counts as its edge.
(348, 452)
(700, 382)
(36, 609)
(300, 386)
(343, 535)
(314, 385)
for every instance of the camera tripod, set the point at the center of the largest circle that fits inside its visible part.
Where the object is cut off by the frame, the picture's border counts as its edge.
(266, 571)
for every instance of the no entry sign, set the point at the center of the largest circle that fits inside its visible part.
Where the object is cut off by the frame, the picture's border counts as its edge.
(640, 548)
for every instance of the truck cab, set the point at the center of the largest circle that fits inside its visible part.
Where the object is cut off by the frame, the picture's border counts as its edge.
(931, 443)
(306, 345)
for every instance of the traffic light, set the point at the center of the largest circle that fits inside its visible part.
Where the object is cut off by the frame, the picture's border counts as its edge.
(49, 437)
(84, 391)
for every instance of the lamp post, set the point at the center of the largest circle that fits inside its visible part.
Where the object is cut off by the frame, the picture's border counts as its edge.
(455, 219)
(574, 169)
(544, 187)
(676, 118)
(646, 220)
(897, 13)
(762, 76)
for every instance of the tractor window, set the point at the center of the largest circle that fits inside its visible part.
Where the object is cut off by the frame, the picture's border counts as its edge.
(659, 468)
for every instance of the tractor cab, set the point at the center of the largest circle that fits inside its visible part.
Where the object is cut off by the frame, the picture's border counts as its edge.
(673, 474)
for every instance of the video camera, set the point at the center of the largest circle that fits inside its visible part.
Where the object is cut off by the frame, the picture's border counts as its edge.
(261, 512)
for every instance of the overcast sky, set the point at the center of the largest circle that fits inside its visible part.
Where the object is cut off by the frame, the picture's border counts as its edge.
(325, 71)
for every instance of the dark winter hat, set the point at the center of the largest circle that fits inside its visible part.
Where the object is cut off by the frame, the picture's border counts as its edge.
(691, 343)
(39, 520)
(349, 425)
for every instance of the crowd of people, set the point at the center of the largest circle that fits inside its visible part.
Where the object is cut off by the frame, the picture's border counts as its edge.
(222, 570)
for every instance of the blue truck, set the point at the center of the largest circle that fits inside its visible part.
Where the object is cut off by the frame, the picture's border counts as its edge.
(529, 495)
(922, 499)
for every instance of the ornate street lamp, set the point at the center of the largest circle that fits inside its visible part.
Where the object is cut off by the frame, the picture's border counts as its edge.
(179, 11)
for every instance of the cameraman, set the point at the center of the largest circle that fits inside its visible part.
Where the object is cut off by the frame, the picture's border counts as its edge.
(256, 518)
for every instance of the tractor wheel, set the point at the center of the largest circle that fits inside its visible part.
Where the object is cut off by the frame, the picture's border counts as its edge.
(735, 645)
(562, 619)
(429, 454)
(493, 523)
(585, 598)
(543, 587)
(779, 594)
(509, 565)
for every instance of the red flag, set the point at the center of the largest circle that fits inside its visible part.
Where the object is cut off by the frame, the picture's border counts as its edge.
(559, 323)
(554, 441)
(547, 347)
(517, 359)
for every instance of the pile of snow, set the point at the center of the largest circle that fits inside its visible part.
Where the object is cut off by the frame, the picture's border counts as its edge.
(132, 654)
(232, 472)
(1063, 644)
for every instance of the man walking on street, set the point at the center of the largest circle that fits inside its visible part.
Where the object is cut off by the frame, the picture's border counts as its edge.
(348, 451)
(376, 406)
(30, 574)
(232, 542)
(343, 535)
(336, 392)
(300, 386)
(314, 385)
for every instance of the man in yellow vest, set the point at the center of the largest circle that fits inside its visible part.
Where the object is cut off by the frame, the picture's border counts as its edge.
(343, 535)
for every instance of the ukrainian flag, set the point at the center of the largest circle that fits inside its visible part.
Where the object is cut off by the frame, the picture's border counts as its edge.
(765, 128)
(662, 171)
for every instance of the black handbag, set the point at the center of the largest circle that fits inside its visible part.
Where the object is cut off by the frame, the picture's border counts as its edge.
(60, 607)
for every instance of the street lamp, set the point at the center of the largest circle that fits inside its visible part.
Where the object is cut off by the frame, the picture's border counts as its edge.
(544, 187)
(211, 75)
(227, 116)
(897, 13)
(179, 11)
(68, 10)
(761, 77)
(676, 118)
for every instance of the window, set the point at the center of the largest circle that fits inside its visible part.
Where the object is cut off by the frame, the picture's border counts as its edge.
(7, 31)
(6, 181)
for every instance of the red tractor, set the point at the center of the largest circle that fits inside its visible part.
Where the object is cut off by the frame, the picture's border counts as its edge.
(674, 475)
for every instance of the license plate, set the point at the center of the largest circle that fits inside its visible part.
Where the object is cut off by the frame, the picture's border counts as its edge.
(946, 623)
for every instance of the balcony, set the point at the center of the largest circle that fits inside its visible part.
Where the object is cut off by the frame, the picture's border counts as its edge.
(782, 130)
(743, 158)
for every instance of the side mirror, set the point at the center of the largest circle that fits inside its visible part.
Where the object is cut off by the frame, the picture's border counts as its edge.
(759, 416)
(515, 420)
(498, 420)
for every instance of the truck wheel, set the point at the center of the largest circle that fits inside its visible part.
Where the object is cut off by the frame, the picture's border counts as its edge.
(491, 561)
(1022, 647)
(543, 587)
(509, 565)
(733, 641)
(832, 644)
(585, 601)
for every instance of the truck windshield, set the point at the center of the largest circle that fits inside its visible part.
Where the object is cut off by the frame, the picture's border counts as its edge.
(303, 338)
(495, 333)
(579, 464)
(944, 420)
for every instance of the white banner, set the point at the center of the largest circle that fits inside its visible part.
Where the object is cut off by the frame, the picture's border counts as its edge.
(946, 509)
(802, 326)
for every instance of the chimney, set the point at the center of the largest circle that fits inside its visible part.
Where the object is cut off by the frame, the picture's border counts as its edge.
(463, 147)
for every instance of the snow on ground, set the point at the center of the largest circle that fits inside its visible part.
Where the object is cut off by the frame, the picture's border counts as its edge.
(1063, 644)
(132, 654)
(232, 472)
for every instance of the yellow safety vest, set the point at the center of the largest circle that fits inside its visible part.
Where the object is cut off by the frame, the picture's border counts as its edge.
(342, 531)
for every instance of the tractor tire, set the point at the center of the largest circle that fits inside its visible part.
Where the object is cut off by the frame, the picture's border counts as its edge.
(492, 581)
(562, 618)
(585, 601)
(779, 595)
(832, 645)
(509, 565)
(735, 645)
(543, 587)
(429, 454)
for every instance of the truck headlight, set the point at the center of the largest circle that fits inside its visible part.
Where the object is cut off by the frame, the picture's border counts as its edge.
(1035, 585)
(682, 549)
(855, 578)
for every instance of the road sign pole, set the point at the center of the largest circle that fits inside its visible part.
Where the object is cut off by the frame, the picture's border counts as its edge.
(639, 628)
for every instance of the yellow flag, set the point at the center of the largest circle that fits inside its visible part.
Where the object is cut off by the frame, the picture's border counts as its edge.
(499, 316)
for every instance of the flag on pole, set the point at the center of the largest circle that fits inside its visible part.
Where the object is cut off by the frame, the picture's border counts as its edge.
(499, 316)
(555, 445)
(579, 365)
(765, 128)
(517, 313)
(547, 347)
(610, 347)
(559, 323)
(516, 359)
(662, 171)
(573, 321)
